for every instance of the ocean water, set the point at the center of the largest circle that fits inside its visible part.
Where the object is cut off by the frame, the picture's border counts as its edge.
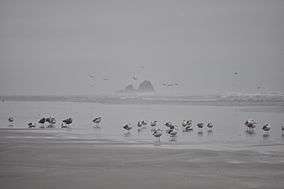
(228, 123)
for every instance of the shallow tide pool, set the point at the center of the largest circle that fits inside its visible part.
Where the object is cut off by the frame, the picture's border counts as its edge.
(228, 123)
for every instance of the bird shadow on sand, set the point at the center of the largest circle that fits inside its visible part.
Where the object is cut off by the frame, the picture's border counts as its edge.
(140, 131)
(173, 140)
(66, 128)
(265, 136)
(187, 132)
(250, 133)
(282, 136)
(200, 133)
(210, 132)
(96, 126)
(127, 134)
(157, 143)
(97, 131)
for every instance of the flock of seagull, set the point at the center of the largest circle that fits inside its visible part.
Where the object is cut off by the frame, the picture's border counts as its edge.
(50, 122)
(169, 128)
(187, 126)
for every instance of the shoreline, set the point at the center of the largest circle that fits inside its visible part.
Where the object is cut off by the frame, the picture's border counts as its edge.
(25, 136)
(209, 100)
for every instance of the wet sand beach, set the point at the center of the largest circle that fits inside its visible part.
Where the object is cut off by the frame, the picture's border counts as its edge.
(79, 165)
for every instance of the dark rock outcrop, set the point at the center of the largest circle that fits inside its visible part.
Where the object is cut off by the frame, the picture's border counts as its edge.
(145, 86)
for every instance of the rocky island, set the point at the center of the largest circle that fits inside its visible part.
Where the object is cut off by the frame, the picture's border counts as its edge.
(144, 87)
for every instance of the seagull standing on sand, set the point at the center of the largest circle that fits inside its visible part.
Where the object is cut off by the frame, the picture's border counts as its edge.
(31, 125)
(188, 128)
(187, 125)
(139, 124)
(11, 119)
(170, 128)
(144, 123)
(97, 121)
(51, 121)
(184, 123)
(127, 127)
(157, 133)
(210, 125)
(173, 133)
(266, 128)
(200, 125)
(66, 122)
(168, 124)
(250, 123)
(189, 122)
(41, 122)
(153, 123)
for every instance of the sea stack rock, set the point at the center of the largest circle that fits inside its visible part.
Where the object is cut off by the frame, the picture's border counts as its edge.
(146, 87)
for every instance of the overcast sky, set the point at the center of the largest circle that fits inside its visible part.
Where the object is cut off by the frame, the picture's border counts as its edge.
(97, 46)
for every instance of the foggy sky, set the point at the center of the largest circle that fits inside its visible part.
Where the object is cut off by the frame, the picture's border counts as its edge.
(50, 47)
